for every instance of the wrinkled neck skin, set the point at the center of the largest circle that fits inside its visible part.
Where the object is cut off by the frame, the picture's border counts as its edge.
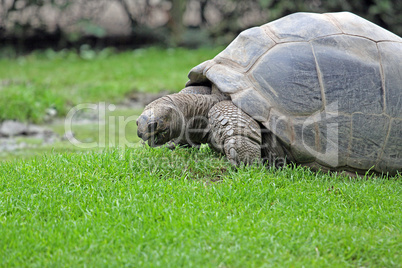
(190, 121)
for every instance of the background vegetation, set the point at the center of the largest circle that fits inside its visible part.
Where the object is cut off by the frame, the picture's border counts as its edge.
(32, 24)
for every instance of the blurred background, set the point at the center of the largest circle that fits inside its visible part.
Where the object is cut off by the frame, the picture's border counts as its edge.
(26, 25)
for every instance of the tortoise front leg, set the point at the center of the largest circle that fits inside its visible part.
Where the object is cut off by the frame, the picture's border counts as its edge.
(234, 133)
(203, 90)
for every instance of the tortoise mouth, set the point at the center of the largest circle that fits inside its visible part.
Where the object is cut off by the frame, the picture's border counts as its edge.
(157, 139)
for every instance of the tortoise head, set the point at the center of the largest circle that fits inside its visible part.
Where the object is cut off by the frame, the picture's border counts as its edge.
(160, 122)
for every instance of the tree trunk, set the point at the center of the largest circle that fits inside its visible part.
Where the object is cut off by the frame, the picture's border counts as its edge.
(176, 20)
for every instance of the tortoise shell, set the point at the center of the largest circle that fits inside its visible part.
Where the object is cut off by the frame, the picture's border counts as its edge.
(329, 86)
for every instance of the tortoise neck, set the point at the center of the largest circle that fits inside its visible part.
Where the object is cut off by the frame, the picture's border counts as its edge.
(191, 120)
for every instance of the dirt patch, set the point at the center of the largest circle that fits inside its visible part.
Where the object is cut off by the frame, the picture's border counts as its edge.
(16, 135)
(12, 131)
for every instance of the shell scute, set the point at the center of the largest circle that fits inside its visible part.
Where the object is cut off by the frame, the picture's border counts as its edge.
(351, 73)
(352, 24)
(302, 27)
(246, 48)
(288, 77)
(391, 61)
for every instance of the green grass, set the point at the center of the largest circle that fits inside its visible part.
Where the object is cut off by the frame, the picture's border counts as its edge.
(33, 83)
(160, 208)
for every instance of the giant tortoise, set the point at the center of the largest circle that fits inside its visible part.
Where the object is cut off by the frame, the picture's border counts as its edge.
(320, 90)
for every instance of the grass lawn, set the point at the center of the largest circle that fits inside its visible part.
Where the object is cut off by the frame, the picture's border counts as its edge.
(154, 207)
(144, 207)
(33, 83)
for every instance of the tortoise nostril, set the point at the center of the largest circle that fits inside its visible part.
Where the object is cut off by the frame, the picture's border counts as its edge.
(152, 126)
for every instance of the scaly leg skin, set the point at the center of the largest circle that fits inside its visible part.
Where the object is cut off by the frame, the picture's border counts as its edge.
(234, 133)
(203, 90)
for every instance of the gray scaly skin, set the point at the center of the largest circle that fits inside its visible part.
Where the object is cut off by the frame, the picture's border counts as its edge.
(170, 118)
(234, 133)
(194, 117)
